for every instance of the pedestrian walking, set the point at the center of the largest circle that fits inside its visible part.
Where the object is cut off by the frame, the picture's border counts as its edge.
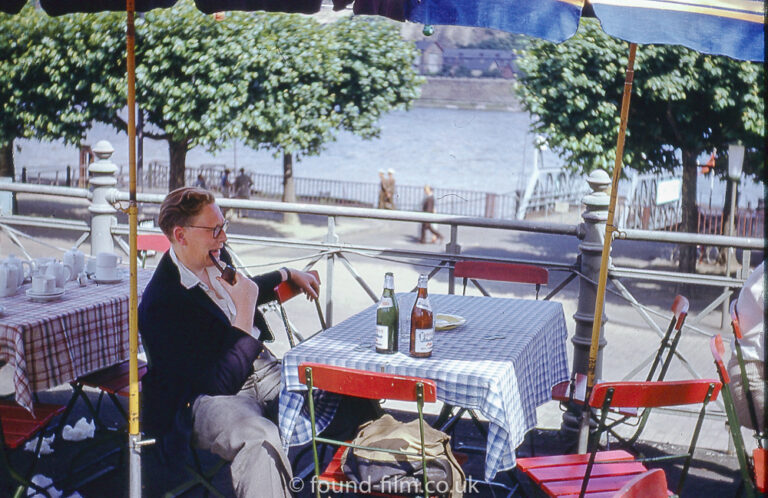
(389, 189)
(428, 206)
(382, 190)
(200, 182)
(243, 184)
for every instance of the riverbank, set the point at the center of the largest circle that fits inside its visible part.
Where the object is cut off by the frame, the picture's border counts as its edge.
(491, 94)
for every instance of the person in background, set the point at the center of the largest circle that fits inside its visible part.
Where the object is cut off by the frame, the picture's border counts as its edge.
(389, 188)
(226, 184)
(428, 206)
(200, 182)
(750, 308)
(382, 190)
(243, 184)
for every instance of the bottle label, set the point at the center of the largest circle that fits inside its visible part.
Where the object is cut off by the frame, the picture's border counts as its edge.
(386, 302)
(424, 339)
(423, 303)
(382, 337)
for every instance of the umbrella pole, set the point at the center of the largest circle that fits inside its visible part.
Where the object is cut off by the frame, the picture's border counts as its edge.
(134, 443)
(609, 229)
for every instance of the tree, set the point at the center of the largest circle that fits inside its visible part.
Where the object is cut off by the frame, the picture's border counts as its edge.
(47, 69)
(683, 104)
(188, 79)
(307, 80)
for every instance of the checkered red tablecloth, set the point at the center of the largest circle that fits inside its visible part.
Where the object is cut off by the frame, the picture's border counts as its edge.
(55, 342)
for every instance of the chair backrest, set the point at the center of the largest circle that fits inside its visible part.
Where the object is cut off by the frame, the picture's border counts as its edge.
(717, 348)
(651, 484)
(503, 272)
(152, 242)
(364, 384)
(654, 394)
(288, 290)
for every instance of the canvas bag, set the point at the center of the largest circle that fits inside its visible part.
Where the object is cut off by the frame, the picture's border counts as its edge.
(390, 473)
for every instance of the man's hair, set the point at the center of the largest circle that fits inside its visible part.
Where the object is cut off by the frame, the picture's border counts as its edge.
(180, 206)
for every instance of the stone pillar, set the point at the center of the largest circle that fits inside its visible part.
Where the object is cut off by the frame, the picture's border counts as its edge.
(590, 253)
(103, 180)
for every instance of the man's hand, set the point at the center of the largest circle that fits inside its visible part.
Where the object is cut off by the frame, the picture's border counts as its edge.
(307, 282)
(244, 294)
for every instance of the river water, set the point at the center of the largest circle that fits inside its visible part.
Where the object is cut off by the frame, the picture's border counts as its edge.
(489, 151)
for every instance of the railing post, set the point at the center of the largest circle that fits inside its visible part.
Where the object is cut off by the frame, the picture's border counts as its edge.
(102, 177)
(330, 238)
(590, 253)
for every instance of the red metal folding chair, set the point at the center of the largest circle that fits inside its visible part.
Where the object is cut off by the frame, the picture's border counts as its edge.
(362, 384)
(606, 472)
(574, 391)
(17, 426)
(502, 272)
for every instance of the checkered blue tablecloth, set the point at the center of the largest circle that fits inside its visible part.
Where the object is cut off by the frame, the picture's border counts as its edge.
(55, 342)
(502, 363)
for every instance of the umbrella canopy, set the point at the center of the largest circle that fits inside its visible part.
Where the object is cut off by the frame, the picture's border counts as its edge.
(734, 28)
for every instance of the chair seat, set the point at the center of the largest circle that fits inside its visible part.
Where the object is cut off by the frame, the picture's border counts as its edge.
(595, 485)
(113, 379)
(19, 425)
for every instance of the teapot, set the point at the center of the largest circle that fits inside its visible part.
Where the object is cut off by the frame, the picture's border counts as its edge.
(75, 259)
(60, 271)
(9, 279)
(19, 264)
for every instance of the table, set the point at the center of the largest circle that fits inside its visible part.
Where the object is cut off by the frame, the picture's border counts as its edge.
(58, 341)
(502, 363)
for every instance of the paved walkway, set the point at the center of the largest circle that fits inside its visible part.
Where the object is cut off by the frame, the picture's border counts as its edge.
(629, 340)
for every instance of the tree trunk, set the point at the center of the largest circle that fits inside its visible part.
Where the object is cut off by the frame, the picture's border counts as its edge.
(690, 211)
(178, 153)
(7, 168)
(289, 189)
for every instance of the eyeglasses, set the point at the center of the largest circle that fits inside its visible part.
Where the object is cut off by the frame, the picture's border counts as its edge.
(216, 230)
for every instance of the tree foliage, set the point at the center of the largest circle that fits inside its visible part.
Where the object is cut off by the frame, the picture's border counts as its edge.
(683, 104)
(47, 67)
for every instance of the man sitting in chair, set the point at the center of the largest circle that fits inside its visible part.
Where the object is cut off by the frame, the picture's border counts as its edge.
(209, 375)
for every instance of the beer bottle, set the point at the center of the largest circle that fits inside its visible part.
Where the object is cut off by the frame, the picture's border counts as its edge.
(422, 324)
(387, 318)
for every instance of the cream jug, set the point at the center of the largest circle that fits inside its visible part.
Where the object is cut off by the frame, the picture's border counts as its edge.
(75, 259)
(9, 279)
(61, 272)
(19, 264)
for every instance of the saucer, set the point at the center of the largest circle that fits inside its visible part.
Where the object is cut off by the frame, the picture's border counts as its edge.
(45, 297)
(108, 280)
(445, 321)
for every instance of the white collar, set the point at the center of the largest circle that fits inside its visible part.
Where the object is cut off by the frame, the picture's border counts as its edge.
(188, 278)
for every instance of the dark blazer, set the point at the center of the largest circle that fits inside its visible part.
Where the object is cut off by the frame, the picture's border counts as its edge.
(191, 347)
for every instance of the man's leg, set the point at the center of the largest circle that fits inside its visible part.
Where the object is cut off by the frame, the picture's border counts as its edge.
(235, 428)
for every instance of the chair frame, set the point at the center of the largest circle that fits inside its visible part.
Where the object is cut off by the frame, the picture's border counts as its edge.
(502, 272)
(575, 389)
(734, 425)
(45, 413)
(369, 385)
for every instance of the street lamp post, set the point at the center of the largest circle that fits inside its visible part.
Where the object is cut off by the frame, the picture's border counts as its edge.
(735, 163)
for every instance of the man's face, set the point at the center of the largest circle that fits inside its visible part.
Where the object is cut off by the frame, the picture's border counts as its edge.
(198, 235)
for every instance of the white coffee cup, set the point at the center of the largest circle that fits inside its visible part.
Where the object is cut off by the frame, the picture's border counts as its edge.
(108, 260)
(43, 284)
(60, 272)
(39, 265)
(107, 273)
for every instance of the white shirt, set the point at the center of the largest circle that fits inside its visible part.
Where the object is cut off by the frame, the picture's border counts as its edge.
(216, 292)
(751, 310)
